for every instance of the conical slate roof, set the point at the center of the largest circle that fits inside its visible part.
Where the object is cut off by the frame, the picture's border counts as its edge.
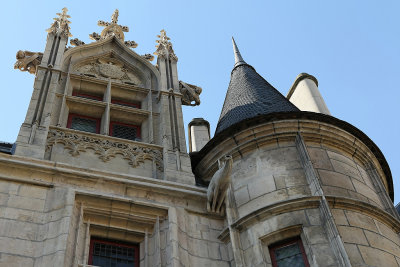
(249, 95)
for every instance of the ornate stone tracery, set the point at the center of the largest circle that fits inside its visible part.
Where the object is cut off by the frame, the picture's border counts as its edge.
(190, 94)
(164, 47)
(106, 149)
(61, 24)
(28, 61)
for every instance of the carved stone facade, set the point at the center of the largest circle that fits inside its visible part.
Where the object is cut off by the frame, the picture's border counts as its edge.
(108, 68)
(102, 157)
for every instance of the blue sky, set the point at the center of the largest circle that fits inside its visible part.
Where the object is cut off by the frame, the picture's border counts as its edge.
(351, 47)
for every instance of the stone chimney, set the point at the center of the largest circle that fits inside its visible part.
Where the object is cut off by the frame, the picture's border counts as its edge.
(305, 95)
(199, 134)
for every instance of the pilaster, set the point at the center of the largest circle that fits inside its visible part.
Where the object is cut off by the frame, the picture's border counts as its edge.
(33, 133)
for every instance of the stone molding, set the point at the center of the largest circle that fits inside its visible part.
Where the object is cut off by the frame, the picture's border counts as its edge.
(270, 211)
(286, 233)
(330, 227)
(84, 49)
(365, 208)
(269, 133)
(45, 173)
(117, 212)
(107, 148)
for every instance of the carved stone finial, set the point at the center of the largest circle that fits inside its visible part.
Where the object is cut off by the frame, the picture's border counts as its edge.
(164, 47)
(219, 184)
(28, 61)
(190, 94)
(149, 57)
(76, 42)
(61, 24)
(114, 17)
(113, 29)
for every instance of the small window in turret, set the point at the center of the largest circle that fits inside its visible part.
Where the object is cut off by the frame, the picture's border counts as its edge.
(288, 253)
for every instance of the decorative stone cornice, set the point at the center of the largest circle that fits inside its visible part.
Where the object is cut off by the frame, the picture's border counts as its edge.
(61, 24)
(364, 208)
(284, 126)
(269, 211)
(164, 47)
(107, 148)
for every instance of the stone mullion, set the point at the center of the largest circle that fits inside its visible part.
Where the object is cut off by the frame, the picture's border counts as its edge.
(105, 120)
(63, 102)
(335, 240)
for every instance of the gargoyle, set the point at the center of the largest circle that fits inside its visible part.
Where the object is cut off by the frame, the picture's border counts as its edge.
(190, 94)
(28, 61)
(219, 184)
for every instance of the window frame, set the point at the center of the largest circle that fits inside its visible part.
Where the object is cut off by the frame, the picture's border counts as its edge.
(87, 96)
(296, 240)
(113, 242)
(74, 115)
(137, 105)
(138, 129)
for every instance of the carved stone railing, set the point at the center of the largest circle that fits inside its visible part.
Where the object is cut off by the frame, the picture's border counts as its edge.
(105, 147)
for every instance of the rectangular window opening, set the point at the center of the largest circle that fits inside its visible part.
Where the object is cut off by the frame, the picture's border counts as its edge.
(125, 131)
(289, 253)
(112, 253)
(83, 123)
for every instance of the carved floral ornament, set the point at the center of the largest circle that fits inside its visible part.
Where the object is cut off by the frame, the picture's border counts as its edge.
(77, 143)
(113, 29)
(61, 24)
(164, 47)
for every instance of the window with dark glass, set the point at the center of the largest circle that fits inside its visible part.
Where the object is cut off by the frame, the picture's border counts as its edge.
(108, 253)
(288, 254)
(83, 123)
(125, 131)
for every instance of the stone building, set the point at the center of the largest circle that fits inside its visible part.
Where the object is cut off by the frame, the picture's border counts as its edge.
(100, 174)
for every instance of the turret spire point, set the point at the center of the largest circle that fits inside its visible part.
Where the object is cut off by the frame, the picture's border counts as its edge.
(238, 57)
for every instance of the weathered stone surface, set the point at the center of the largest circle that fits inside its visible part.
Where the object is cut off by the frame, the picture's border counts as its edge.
(376, 257)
